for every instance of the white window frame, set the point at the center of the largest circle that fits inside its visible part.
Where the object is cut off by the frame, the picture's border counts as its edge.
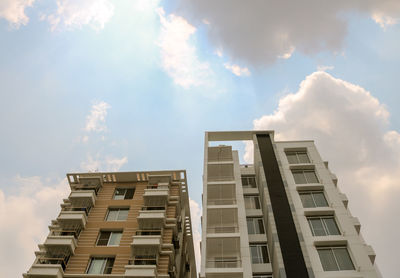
(256, 226)
(297, 156)
(334, 256)
(325, 227)
(117, 215)
(248, 177)
(313, 199)
(126, 190)
(254, 203)
(260, 256)
(103, 267)
(109, 237)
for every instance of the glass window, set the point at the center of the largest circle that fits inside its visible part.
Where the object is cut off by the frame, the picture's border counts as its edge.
(117, 214)
(100, 266)
(109, 238)
(323, 226)
(297, 157)
(304, 176)
(259, 254)
(252, 202)
(123, 193)
(335, 258)
(255, 226)
(249, 181)
(313, 199)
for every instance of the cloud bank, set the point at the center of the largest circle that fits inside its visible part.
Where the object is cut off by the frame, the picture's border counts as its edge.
(259, 32)
(351, 130)
(14, 11)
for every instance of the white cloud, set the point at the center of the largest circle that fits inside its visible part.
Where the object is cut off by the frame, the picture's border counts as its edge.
(237, 70)
(260, 32)
(351, 130)
(325, 68)
(195, 214)
(25, 216)
(100, 163)
(72, 14)
(14, 11)
(178, 52)
(95, 121)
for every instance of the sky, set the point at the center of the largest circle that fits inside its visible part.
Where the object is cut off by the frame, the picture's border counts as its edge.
(103, 85)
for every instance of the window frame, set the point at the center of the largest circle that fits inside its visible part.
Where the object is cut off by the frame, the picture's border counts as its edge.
(104, 266)
(331, 248)
(288, 152)
(259, 227)
(254, 197)
(117, 215)
(324, 225)
(248, 178)
(260, 255)
(303, 171)
(311, 192)
(125, 193)
(109, 237)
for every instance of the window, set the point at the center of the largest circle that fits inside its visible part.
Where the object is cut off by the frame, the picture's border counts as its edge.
(255, 226)
(123, 193)
(109, 238)
(313, 199)
(249, 181)
(297, 157)
(259, 254)
(117, 214)
(100, 266)
(323, 226)
(304, 176)
(252, 202)
(335, 258)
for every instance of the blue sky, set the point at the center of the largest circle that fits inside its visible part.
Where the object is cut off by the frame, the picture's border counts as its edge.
(133, 85)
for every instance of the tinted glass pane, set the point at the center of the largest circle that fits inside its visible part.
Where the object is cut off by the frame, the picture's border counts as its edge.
(244, 181)
(257, 202)
(109, 265)
(248, 202)
(119, 194)
(252, 181)
(112, 215)
(123, 214)
(260, 226)
(115, 238)
(303, 158)
(311, 177)
(307, 200)
(299, 178)
(327, 260)
(331, 226)
(319, 199)
(317, 227)
(343, 259)
(264, 254)
(129, 193)
(292, 158)
(254, 254)
(96, 266)
(250, 226)
(103, 238)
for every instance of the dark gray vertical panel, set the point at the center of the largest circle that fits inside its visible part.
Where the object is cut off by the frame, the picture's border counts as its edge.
(295, 266)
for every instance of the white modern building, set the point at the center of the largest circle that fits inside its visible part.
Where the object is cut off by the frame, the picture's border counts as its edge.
(281, 217)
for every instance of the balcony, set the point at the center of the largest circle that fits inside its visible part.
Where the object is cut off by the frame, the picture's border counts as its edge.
(82, 198)
(73, 218)
(222, 221)
(221, 194)
(156, 195)
(79, 182)
(220, 154)
(160, 180)
(60, 245)
(220, 172)
(140, 271)
(146, 244)
(47, 267)
(223, 256)
(151, 218)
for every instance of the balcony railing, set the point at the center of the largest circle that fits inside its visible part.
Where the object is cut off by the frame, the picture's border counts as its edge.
(74, 233)
(148, 232)
(153, 208)
(223, 229)
(224, 263)
(221, 202)
(220, 178)
(51, 260)
(143, 260)
(85, 209)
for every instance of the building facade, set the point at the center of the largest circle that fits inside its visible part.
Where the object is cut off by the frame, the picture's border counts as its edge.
(122, 224)
(281, 217)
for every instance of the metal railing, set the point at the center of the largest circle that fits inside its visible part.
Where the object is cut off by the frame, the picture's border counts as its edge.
(74, 233)
(156, 186)
(221, 202)
(153, 208)
(148, 232)
(52, 260)
(224, 263)
(85, 209)
(223, 229)
(144, 260)
(87, 187)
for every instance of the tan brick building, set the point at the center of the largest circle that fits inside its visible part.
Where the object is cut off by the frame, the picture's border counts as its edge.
(123, 224)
